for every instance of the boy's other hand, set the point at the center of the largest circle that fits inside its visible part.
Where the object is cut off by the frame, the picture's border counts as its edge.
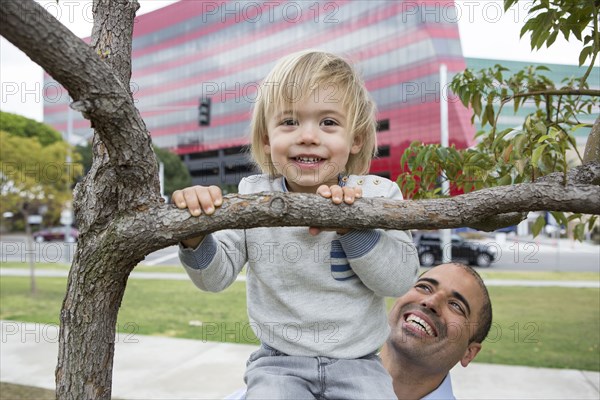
(198, 199)
(338, 195)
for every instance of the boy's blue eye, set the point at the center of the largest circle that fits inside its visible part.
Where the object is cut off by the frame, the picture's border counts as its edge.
(329, 122)
(289, 122)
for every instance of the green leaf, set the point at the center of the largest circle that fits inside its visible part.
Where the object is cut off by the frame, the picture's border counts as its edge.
(592, 222)
(552, 38)
(559, 217)
(573, 217)
(578, 232)
(520, 165)
(544, 137)
(537, 8)
(516, 102)
(442, 153)
(539, 128)
(538, 225)
(576, 32)
(542, 38)
(588, 39)
(489, 111)
(464, 96)
(476, 103)
(565, 31)
(420, 155)
(584, 54)
(537, 153)
(508, 4)
(505, 180)
(520, 141)
(499, 136)
(525, 29)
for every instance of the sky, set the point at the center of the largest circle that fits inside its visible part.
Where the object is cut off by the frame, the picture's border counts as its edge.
(486, 32)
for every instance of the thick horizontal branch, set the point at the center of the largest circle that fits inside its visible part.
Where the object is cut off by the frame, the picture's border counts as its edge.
(166, 225)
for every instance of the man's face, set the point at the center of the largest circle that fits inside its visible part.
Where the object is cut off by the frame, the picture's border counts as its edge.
(434, 321)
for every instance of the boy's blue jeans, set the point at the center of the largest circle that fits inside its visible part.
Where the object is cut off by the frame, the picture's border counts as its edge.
(271, 374)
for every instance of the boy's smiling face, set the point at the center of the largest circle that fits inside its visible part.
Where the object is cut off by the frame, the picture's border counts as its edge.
(310, 144)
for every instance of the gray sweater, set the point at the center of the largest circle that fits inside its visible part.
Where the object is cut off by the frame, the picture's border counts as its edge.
(311, 295)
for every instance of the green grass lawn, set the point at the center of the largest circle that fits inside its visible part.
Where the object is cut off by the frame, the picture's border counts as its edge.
(545, 327)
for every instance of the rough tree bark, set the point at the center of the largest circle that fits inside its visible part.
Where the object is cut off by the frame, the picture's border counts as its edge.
(123, 179)
(122, 217)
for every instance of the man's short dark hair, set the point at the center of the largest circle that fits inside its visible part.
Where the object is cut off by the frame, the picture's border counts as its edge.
(485, 314)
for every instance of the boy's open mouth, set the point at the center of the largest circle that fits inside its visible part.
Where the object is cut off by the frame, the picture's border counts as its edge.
(307, 160)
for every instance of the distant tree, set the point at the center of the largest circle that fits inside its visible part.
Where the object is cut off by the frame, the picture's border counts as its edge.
(18, 125)
(37, 175)
(85, 154)
(177, 175)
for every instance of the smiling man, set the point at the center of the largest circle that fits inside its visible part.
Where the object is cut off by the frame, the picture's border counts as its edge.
(441, 321)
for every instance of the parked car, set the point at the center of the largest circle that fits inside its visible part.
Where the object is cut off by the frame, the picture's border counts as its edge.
(55, 233)
(430, 252)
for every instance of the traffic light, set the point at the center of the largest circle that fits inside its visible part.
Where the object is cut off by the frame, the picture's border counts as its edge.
(204, 111)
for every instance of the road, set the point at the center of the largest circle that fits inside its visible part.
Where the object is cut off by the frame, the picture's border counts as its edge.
(557, 255)
(513, 254)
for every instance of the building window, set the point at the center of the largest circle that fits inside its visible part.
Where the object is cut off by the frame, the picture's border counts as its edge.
(205, 154)
(234, 150)
(383, 151)
(383, 125)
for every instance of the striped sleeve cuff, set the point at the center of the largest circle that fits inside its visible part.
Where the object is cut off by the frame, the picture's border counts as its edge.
(357, 243)
(200, 257)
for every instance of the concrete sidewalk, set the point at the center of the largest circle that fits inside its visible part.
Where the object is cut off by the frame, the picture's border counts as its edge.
(152, 367)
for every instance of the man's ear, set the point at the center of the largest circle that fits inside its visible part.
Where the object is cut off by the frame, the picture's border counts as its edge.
(470, 353)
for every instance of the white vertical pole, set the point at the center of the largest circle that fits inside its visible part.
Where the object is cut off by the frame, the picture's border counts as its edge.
(445, 234)
(161, 178)
(68, 168)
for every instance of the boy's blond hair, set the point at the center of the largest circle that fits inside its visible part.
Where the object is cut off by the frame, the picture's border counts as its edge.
(301, 74)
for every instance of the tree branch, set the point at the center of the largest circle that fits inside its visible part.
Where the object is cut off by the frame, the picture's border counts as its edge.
(53, 47)
(556, 92)
(158, 227)
(99, 93)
